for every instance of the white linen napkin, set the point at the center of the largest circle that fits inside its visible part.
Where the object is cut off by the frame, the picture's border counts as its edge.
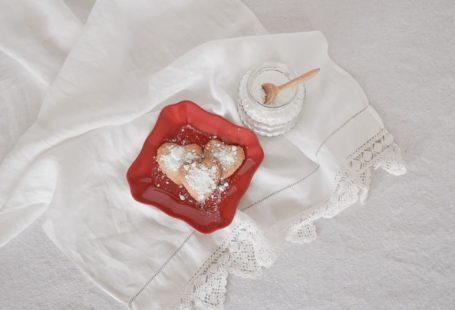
(31, 54)
(132, 59)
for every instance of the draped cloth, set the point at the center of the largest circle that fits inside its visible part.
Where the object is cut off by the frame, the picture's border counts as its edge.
(81, 97)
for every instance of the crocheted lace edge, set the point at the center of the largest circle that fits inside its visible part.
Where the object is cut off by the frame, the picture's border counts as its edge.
(246, 252)
(352, 183)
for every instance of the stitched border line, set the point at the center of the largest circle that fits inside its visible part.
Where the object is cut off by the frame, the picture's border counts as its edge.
(281, 190)
(339, 128)
(253, 204)
(130, 303)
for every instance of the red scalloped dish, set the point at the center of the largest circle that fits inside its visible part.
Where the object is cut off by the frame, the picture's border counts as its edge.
(185, 123)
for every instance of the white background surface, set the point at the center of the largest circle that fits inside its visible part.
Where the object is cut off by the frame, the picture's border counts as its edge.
(395, 252)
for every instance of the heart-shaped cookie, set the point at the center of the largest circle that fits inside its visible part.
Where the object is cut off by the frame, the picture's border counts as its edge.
(230, 157)
(171, 157)
(200, 178)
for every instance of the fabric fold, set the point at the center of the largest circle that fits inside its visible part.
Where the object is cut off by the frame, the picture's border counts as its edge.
(35, 39)
(132, 59)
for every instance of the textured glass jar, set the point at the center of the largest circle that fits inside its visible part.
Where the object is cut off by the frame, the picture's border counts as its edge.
(271, 119)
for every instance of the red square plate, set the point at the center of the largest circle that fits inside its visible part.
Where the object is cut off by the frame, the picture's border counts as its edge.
(185, 123)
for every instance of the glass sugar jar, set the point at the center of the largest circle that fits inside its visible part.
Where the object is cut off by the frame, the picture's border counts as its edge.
(282, 114)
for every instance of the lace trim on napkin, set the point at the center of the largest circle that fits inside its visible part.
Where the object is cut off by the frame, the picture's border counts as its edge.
(245, 254)
(352, 182)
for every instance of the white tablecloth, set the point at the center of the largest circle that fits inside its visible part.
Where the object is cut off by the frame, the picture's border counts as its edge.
(341, 258)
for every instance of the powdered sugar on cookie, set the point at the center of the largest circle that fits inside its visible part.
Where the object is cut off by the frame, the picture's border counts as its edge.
(171, 157)
(201, 179)
(177, 156)
(199, 171)
(230, 157)
(226, 156)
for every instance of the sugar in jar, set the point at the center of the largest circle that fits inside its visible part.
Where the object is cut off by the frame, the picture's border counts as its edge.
(277, 117)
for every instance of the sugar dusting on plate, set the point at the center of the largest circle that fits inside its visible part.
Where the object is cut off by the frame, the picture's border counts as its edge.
(177, 156)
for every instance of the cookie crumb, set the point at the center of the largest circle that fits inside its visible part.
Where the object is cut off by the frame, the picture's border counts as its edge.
(223, 186)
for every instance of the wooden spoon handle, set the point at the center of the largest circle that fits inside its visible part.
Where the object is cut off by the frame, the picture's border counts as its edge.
(304, 77)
